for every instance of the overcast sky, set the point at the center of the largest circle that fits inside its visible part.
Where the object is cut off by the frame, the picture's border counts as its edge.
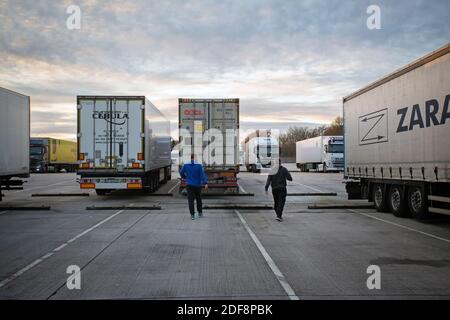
(290, 62)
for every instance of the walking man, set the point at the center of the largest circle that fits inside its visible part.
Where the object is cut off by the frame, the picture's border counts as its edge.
(195, 177)
(279, 192)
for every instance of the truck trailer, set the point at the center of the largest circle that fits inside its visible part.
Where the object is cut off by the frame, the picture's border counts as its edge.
(123, 143)
(322, 153)
(397, 152)
(52, 155)
(14, 139)
(209, 128)
(260, 150)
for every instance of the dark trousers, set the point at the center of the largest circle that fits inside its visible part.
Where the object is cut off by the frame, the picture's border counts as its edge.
(279, 199)
(194, 193)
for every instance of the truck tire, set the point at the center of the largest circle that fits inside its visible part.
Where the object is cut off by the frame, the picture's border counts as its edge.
(364, 191)
(379, 197)
(417, 203)
(169, 174)
(397, 202)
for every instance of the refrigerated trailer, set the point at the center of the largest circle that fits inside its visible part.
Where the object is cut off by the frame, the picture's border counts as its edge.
(397, 152)
(52, 155)
(260, 150)
(14, 139)
(322, 153)
(123, 143)
(209, 128)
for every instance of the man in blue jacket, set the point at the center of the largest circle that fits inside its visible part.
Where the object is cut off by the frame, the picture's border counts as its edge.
(195, 177)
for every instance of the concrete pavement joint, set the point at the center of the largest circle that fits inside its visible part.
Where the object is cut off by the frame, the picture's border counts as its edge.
(48, 255)
(276, 271)
(400, 226)
(101, 251)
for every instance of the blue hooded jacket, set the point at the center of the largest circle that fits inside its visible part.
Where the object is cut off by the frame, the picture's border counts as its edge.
(194, 174)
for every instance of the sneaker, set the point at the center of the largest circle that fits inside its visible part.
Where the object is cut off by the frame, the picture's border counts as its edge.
(192, 217)
(200, 214)
(281, 219)
(278, 219)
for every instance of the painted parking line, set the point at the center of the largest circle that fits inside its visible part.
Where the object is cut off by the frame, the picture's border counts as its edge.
(41, 187)
(171, 189)
(304, 185)
(276, 271)
(51, 253)
(242, 189)
(400, 226)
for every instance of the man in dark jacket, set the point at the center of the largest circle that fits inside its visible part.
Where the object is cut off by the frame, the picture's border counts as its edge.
(195, 177)
(279, 192)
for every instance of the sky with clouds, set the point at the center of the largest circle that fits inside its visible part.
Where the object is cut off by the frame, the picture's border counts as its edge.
(290, 62)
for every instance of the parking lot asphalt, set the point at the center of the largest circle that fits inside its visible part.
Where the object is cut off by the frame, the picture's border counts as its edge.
(227, 254)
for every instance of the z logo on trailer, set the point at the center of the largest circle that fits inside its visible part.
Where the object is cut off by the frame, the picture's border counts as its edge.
(373, 127)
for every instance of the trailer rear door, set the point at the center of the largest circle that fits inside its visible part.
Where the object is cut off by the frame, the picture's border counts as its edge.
(109, 131)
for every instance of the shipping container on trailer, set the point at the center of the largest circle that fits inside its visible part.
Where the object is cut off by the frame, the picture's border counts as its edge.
(123, 143)
(396, 139)
(14, 138)
(322, 153)
(200, 116)
(52, 155)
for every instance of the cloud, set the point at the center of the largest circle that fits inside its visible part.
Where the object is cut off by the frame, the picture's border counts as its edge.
(288, 61)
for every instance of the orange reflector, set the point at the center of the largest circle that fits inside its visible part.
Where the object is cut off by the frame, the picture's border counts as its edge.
(134, 186)
(81, 156)
(227, 174)
(87, 185)
(140, 156)
(85, 165)
(136, 165)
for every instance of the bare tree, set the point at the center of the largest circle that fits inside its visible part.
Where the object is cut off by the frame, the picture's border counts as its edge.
(294, 134)
(336, 128)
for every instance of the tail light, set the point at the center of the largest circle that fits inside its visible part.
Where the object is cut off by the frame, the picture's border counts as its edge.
(136, 165)
(134, 186)
(87, 185)
(85, 165)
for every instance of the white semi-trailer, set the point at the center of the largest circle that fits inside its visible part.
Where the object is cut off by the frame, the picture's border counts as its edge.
(14, 138)
(209, 128)
(322, 153)
(397, 152)
(261, 149)
(123, 143)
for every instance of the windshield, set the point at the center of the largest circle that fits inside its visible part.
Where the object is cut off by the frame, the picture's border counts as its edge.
(335, 148)
(35, 151)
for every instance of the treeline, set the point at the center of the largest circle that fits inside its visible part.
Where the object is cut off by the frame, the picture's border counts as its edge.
(294, 134)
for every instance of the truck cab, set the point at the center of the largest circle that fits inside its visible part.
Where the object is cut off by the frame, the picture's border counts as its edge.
(332, 155)
(38, 155)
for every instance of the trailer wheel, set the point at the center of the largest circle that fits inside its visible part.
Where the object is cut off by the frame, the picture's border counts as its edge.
(379, 198)
(397, 202)
(417, 203)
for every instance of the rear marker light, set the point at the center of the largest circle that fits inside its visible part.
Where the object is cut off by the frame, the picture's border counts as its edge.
(136, 165)
(140, 156)
(134, 186)
(87, 185)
